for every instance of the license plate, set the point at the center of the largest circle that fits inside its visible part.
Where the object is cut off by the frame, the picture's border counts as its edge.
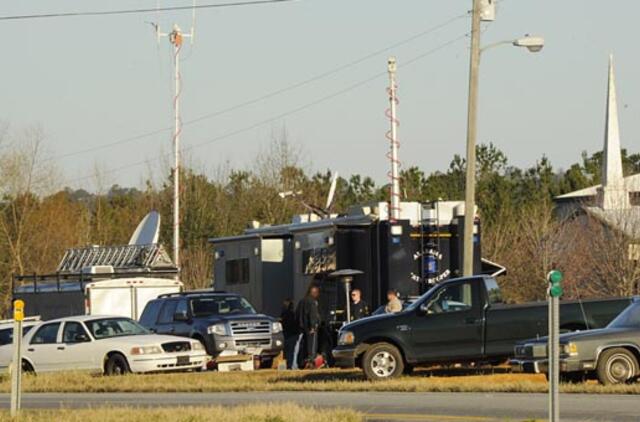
(183, 360)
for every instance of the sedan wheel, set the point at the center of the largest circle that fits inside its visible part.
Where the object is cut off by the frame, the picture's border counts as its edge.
(617, 366)
(116, 365)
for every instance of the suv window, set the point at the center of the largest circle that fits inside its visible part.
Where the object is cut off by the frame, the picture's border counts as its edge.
(456, 298)
(494, 294)
(71, 331)
(182, 307)
(46, 334)
(166, 314)
(150, 314)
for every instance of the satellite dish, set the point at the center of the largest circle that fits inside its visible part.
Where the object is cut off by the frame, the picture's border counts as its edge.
(148, 230)
(332, 191)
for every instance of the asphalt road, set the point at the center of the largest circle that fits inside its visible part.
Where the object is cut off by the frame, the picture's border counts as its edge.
(377, 406)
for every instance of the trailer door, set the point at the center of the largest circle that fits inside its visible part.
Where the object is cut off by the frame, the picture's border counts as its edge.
(117, 301)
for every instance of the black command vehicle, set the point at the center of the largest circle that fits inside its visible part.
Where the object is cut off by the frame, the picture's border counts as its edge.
(611, 354)
(460, 320)
(223, 322)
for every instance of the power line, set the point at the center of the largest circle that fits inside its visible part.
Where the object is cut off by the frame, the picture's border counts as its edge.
(271, 94)
(137, 11)
(286, 113)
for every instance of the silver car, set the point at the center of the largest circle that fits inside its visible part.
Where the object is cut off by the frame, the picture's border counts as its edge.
(107, 344)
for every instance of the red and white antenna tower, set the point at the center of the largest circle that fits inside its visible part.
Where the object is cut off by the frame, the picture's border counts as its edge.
(392, 136)
(176, 37)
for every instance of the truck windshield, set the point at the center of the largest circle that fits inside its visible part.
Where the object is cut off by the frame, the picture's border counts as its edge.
(220, 305)
(629, 318)
(115, 327)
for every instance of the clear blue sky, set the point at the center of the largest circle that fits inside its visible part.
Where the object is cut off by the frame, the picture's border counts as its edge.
(94, 80)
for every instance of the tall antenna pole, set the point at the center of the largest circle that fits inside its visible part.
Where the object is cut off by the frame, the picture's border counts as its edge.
(392, 135)
(175, 38)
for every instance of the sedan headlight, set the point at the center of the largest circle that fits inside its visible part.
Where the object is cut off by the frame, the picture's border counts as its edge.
(346, 338)
(218, 329)
(276, 327)
(146, 350)
(570, 349)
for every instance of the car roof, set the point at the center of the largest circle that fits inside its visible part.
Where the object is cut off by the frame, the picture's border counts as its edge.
(197, 293)
(84, 318)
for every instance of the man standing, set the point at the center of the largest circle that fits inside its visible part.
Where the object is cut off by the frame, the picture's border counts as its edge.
(359, 308)
(394, 305)
(309, 321)
(290, 331)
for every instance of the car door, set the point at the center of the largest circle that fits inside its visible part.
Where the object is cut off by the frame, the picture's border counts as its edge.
(182, 318)
(165, 319)
(43, 346)
(77, 349)
(450, 324)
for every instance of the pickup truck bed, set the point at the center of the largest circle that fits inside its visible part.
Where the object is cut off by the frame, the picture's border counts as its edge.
(460, 320)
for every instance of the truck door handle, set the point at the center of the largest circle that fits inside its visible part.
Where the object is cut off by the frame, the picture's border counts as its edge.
(472, 320)
(60, 347)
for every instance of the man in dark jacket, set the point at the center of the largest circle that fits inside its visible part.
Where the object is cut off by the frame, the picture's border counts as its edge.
(359, 308)
(290, 331)
(308, 313)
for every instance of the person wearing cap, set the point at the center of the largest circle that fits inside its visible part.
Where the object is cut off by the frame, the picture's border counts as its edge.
(394, 305)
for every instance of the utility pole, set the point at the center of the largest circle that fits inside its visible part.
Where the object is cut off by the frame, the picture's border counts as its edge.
(175, 38)
(392, 135)
(472, 119)
(554, 277)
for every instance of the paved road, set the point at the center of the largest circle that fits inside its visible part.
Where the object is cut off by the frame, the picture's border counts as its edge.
(377, 406)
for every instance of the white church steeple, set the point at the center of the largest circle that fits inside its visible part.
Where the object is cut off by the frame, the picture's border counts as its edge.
(613, 193)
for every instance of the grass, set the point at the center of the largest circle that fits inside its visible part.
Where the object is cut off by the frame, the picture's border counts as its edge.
(423, 380)
(248, 413)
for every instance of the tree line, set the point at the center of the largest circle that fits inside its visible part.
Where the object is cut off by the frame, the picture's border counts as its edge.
(40, 218)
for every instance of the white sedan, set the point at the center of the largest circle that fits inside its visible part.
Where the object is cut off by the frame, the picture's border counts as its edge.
(111, 345)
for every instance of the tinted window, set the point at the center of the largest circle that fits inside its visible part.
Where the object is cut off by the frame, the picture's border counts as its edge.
(220, 305)
(6, 334)
(237, 271)
(494, 294)
(182, 307)
(46, 334)
(458, 297)
(115, 327)
(150, 314)
(166, 314)
(629, 318)
(71, 331)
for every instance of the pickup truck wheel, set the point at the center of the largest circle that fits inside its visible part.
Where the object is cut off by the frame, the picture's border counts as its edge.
(616, 366)
(116, 365)
(382, 361)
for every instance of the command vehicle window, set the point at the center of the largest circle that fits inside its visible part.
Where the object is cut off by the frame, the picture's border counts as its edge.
(167, 312)
(46, 334)
(456, 298)
(150, 314)
(237, 271)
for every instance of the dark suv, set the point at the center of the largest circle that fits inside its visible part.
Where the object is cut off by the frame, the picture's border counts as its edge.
(221, 321)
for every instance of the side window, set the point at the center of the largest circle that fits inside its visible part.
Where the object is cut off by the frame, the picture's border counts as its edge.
(166, 314)
(150, 314)
(182, 307)
(71, 332)
(237, 271)
(456, 298)
(46, 334)
(494, 294)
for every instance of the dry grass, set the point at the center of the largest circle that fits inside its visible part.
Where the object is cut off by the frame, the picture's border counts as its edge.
(248, 413)
(425, 380)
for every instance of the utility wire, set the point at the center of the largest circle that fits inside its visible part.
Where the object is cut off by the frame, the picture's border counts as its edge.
(269, 95)
(286, 113)
(137, 11)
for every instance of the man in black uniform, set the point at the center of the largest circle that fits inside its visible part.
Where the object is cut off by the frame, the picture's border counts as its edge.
(359, 308)
(308, 313)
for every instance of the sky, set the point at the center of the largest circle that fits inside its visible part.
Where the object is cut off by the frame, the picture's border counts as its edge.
(92, 81)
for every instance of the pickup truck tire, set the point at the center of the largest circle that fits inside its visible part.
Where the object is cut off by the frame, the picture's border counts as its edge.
(116, 365)
(382, 361)
(616, 366)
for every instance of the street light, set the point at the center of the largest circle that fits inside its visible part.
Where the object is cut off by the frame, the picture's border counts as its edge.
(533, 44)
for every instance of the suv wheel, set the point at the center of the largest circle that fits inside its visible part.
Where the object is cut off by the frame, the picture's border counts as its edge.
(382, 361)
(116, 365)
(616, 366)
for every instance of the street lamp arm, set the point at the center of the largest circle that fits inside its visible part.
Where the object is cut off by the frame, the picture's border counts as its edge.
(495, 44)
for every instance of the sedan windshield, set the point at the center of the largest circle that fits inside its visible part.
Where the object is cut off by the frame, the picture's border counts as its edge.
(629, 318)
(220, 305)
(115, 327)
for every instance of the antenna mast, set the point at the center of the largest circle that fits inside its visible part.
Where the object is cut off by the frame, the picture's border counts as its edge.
(392, 136)
(176, 37)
